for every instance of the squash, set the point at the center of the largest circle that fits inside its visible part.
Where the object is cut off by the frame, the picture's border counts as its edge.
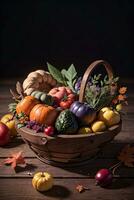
(61, 92)
(42, 181)
(83, 111)
(66, 122)
(43, 114)
(26, 105)
(43, 97)
(38, 80)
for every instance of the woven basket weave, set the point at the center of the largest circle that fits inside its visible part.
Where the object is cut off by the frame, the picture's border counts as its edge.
(69, 150)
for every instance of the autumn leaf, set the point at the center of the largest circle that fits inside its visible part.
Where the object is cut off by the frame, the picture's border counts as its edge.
(81, 188)
(115, 101)
(15, 159)
(126, 156)
(122, 90)
(121, 97)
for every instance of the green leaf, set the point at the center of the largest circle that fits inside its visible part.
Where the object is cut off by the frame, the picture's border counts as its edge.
(71, 72)
(55, 73)
(63, 72)
(116, 79)
(70, 85)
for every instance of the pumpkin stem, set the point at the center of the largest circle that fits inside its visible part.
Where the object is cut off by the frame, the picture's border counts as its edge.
(65, 98)
(42, 174)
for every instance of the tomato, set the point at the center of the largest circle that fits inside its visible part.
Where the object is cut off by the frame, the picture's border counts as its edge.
(66, 103)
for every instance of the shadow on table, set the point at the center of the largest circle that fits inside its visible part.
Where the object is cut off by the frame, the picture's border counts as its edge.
(105, 159)
(14, 143)
(120, 183)
(57, 191)
(29, 167)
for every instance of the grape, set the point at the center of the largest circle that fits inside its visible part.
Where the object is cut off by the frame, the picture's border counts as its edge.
(35, 126)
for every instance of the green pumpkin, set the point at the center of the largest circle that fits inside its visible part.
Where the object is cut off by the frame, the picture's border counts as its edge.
(43, 97)
(66, 122)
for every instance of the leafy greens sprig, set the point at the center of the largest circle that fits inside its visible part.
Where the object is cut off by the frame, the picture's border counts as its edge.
(65, 77)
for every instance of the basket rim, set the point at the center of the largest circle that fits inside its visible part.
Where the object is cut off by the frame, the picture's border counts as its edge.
(67, 136)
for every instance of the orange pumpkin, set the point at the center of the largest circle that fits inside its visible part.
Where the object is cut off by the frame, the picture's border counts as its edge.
(26, 105)
(43, 114)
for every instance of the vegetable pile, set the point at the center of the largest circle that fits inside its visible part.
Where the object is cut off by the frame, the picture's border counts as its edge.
(58, 110)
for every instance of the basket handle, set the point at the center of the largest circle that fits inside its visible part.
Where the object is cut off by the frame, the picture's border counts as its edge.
(88, 72)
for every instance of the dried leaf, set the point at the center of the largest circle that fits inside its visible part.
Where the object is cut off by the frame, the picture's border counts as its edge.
(127, 156)
(15, 159)
(14, 95)
(122, 90)
(121, 97)
(80, 188)
(19, 89)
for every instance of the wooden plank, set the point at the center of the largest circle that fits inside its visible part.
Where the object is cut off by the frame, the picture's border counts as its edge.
(20, 189)
(88, 169)
(110, 150)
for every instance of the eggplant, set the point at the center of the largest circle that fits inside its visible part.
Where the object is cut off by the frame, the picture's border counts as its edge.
(83, 111)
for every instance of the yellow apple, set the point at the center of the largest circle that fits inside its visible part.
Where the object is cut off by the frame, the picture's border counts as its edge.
(119, 107)
(84, 130)
(109, 117)
(98, 126)
(10, 122)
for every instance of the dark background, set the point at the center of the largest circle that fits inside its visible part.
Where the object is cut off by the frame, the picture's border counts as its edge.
(62, 33)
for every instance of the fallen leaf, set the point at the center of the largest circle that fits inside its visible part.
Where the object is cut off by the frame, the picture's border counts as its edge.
(127, 156)
(80, 188)
(15, 159)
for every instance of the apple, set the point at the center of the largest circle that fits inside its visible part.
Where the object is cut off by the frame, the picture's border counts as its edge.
(10, 122)
(4, 134)
(109, 117)
(98, 126)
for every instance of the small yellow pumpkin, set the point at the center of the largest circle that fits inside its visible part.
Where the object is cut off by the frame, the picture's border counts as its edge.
(42, 181)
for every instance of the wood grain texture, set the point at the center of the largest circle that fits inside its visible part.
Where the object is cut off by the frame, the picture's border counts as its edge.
(65, 189)
(17, 185)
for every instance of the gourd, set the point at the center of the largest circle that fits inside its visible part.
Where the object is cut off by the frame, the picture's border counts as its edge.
(83, 111)
(42, 181)
(26, 105)
(66, 122)
(43, 97)
(38, 80)
(61, 92)
(43, 114)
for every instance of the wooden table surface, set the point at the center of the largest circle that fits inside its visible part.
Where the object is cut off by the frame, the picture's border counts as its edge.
(17, 185)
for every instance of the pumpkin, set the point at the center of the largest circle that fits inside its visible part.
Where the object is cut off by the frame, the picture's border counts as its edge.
(42, 181)
(43, 97)
(83, 111)
(26, 105)
(38, 80)
(43, 114)
(61, 92)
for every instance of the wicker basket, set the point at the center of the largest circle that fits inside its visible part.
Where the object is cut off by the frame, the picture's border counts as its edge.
(69, 150)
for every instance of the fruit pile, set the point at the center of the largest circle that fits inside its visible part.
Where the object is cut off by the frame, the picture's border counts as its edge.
(59, 111)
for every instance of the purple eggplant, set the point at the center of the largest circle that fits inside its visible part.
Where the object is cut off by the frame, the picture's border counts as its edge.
(81, 109)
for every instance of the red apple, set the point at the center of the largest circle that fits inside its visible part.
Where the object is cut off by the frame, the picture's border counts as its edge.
(4, 134)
